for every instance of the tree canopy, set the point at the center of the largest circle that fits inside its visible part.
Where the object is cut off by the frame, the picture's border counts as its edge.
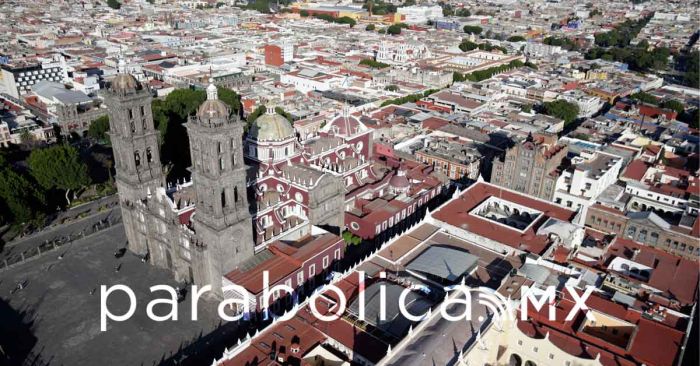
(20, 199)
(472, 29)
(58, 167)
(98, 128)
(481, 75)
(374, 64)
(561, 109)
(114, 4)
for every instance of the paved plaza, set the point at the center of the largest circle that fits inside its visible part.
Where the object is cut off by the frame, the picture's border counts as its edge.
(65, 315)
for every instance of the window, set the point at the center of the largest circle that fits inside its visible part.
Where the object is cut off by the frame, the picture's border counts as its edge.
(642, 236)
(149, 156)
(312, 270)
(137, 158)
(223, 198)
(300, 278)
(654, 238)
(336, 254)
(325, 262)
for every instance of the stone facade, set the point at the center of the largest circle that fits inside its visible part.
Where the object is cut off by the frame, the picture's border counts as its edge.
(646, 228)
(531, 167)
(230, 222)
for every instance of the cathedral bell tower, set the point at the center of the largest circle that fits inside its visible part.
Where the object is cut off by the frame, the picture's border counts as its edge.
(222, 219)
(136, 153)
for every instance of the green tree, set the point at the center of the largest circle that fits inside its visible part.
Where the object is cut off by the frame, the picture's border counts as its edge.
(472, 29)
(373, 64)
(370, 27)
(392, 88)
(259, 111)
(231, 98)
(645, 98)
(98, 129)
(674, 105)
(467, 45)
(20, 199)
(59, 167)
(516, 39)
(114, 4)
(393, 29)
(304, 13)
(350, 238)
(463, 12)
(285, 114)
(561, 109)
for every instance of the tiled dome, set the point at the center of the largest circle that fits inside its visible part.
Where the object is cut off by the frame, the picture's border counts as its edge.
(271, 127)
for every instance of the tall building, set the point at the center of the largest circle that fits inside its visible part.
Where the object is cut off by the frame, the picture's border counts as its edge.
(136, 154)
(158, 217)
(531, 167)
(276, 55)
(219, 176)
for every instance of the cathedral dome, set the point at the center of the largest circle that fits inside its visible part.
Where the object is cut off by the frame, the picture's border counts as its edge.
(125, 83)
(271, 127)
(399, 181)
(346, 125)
(213, 107)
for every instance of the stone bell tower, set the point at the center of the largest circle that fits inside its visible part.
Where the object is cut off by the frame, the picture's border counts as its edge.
(222, 219)
(136, 154)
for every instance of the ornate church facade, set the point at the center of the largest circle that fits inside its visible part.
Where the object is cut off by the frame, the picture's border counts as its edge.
(244, 194)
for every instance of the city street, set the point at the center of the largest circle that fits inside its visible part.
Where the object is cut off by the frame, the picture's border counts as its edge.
(74, 227)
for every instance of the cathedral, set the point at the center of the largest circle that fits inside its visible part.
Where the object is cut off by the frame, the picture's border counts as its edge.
(244, 193)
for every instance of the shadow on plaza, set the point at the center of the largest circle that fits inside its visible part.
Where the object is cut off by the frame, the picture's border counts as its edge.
(17, 338)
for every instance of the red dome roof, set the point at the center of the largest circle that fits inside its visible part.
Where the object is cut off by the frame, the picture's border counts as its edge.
(399, 181)
(345, 126)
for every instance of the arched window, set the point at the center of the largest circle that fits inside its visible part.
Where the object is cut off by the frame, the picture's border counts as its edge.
(530, 363)
(149, 156)
(233, 159)
(515, 360)
(221, 164)
(223, 198)
(235, 194)
(132, 126)
(137, 158)
(654, 237)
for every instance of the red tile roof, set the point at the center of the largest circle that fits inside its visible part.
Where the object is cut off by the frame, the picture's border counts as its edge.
(636, 170)
(456, 213)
